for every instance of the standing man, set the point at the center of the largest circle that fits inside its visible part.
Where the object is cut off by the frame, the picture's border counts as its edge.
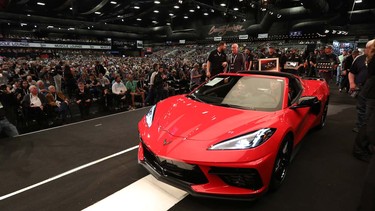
(367, 132)
(217, 61)
(357, 78)
(236, 60)
(327, 63)
(249, 59)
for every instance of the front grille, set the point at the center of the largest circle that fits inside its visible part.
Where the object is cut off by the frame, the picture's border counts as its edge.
(187, 173)
(239, 177)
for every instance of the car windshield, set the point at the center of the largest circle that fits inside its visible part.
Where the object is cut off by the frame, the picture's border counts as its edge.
(243, 92)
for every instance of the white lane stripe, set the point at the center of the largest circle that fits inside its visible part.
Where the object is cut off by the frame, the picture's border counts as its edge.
(67, 173)
(79, 122)
(143, 195)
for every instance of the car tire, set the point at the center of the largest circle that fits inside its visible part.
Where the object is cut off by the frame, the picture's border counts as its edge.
(323, 118)
(282, 162)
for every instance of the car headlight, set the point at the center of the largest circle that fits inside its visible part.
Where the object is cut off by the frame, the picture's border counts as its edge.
(247, 141)
(150, 116)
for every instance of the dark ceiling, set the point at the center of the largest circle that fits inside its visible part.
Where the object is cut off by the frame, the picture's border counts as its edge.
(148, 19)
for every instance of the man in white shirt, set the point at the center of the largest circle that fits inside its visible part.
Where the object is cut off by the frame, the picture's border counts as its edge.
(119, 91)
(34, 104)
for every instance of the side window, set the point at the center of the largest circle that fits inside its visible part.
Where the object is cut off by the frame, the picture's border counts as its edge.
(294, 91)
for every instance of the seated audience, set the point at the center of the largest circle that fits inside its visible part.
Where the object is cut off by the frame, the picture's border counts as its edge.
(58, 102)
(34, 104)
(131, 85)
(84, 100)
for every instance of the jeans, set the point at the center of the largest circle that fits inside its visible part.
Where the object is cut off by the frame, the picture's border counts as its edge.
(367, 202)
(362, 141)
(9, 129)
(361, 110)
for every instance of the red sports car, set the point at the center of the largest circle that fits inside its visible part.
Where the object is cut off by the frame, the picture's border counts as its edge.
(232, 137)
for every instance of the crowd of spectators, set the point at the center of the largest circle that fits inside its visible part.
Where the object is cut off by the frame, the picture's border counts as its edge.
(82, 78)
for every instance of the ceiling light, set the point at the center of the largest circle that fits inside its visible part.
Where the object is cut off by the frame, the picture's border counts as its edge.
(137, 7)
(157, 2)
(71, 8)
(35, 26)
(88, 27)
(263, 9)
(205, 13)
(279, 15)
(270, 12)
(59, 28)
(244, 20)
(358, 1)
(198, 7)
(252, 5)
(333, 31)
(186, 17)
(41, 3)
(191, 10)
(154, 22)
(176, 6)
(139, 19)
(113, 2)
(22, 24)
(171, 14)
(28, 15)
(71, 28)
(212, 10)
(119, 16)
(156, 11)
(235, 9)
(122, 20)
(98, 13)
(180, 1)
(168, 24)
(49, 27)
(240, 0)
(223, 4)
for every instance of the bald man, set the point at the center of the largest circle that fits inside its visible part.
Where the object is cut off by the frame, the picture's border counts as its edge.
(236, 60)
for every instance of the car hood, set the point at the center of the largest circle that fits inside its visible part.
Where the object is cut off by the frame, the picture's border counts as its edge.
(189, 119)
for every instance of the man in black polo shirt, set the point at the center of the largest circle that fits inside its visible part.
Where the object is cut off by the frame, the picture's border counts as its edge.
(327, 63)
(217, 60)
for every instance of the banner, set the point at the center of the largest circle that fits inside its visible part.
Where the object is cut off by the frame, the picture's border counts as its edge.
(52, 45)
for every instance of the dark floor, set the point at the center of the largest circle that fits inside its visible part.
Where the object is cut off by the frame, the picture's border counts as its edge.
(323, 176)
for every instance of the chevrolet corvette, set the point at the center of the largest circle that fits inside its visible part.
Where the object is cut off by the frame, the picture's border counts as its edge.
(234, 136)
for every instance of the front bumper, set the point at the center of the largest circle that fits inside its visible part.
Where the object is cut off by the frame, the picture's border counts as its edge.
(222, 181)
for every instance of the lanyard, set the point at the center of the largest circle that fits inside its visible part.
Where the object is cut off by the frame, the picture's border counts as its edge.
(233, 59)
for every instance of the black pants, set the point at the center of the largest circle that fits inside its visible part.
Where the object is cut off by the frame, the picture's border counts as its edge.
(367, 202)
(365, 134)
(84, 109)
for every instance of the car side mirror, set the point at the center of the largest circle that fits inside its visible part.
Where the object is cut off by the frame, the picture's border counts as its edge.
(307, 101)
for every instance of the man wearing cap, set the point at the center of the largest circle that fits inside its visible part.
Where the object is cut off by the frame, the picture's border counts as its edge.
(327, 63)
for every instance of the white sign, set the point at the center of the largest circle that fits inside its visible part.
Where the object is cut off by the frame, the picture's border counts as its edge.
(139, 44)
(52, 45)
(243, 37)
(217, 38)
(262, 36)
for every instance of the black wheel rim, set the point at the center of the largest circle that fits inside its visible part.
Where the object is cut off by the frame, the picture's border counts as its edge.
(282, 162)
